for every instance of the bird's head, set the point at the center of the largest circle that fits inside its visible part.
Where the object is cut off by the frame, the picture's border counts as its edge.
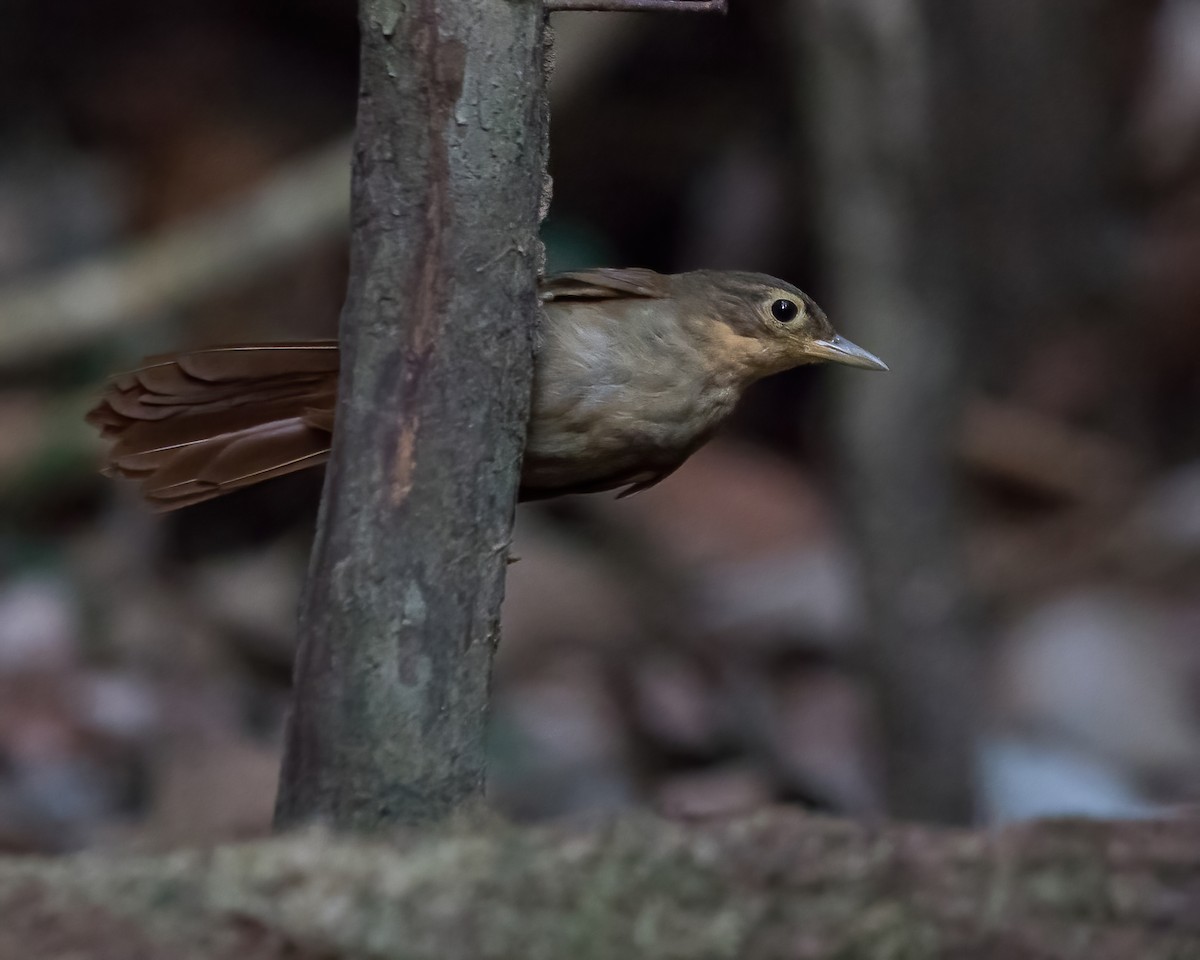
(765, 325)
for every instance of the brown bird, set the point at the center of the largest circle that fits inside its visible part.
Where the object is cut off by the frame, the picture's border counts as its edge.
(634, 370)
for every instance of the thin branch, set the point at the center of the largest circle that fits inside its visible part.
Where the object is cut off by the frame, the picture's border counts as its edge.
(640, 6)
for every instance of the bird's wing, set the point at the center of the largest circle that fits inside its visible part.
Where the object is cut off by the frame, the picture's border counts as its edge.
(605, 284)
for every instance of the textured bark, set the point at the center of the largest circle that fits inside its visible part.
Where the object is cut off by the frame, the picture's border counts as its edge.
(780, 885)
(401, 608)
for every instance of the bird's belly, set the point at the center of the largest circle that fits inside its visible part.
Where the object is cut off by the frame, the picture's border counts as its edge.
(615, 431)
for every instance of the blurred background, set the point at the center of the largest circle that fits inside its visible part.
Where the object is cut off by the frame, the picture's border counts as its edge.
(964, 591)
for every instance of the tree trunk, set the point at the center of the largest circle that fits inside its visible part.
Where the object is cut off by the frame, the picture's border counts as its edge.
(969, 154)
(401, 608)
(894, 259)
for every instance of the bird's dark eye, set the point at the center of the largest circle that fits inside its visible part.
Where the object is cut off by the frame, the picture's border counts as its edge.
(784, 310)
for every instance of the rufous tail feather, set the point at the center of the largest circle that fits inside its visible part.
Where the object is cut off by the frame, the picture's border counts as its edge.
(195, 425)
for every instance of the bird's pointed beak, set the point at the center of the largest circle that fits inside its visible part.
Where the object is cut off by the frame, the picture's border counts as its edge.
(838, 349)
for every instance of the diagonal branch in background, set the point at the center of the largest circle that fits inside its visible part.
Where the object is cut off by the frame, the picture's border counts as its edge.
(306, 202)
(640, 6)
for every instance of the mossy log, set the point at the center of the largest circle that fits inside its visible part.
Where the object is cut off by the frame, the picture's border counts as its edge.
(780, 884)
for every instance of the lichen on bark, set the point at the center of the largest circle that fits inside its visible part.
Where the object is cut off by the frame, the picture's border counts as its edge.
(778, 885)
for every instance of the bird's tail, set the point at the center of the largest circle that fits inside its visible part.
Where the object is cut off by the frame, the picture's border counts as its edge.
(195, 425)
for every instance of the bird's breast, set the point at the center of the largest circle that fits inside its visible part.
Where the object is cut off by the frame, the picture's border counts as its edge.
(613, 396)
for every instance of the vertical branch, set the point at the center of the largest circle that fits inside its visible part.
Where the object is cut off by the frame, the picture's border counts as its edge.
(894, 258)
(401, 608)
